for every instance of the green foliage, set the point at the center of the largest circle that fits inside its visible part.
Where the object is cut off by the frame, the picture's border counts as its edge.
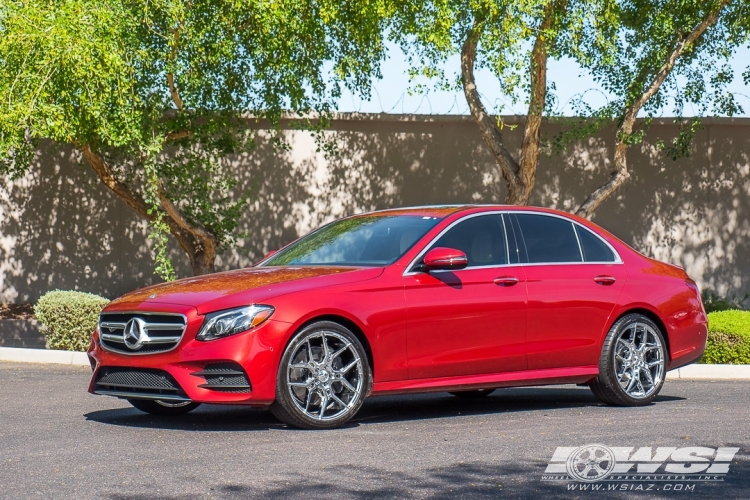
(166, 90)
(68, 318)
(641, 35)
(713, 302)
(432, 31)
(728, 338)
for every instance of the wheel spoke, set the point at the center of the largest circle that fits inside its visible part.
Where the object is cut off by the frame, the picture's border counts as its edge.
(307, 399)
(337, 400)
(326, 350)
(347, 384)
(339, 352)
(649, 379)
(348, 367)
(299, 384)
(324, 404)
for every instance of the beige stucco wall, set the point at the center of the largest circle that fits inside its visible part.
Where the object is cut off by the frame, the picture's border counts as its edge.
(60, 228)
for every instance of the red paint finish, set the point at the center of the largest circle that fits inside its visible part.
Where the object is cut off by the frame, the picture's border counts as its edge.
(477, 327)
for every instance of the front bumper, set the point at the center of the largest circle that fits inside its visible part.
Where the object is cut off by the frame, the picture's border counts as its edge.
(257, 352)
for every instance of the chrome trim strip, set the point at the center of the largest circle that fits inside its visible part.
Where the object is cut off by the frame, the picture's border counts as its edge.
(580, 248)
(420, 255)
(140, 395)
(156, 340)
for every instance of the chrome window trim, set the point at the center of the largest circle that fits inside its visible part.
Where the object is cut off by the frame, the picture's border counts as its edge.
(507, 243)
(580, 249)
(151, 313)
(420, 255)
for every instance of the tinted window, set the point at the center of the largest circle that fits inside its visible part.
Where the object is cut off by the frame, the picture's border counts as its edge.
(481, 238)
(357, 241)
(549, 239)
(594, 249)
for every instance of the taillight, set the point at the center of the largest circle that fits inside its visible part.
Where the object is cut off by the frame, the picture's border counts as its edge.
(694, 287)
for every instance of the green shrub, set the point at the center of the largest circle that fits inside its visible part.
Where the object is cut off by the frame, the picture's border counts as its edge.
(713, 302)
(68, 319)
(728, 338)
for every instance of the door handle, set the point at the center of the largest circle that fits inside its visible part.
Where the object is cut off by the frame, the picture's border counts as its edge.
(605, 280)
(506, 280)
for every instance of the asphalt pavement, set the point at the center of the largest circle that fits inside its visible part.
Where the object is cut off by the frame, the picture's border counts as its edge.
(57, 441)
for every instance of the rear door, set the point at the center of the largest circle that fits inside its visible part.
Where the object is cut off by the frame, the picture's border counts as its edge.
(574, 279)
(473, 320)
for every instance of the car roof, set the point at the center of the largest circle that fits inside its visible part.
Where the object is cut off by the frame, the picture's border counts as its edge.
(438, 211)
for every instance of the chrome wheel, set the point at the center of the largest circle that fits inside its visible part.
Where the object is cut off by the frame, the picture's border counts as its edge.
(639, 360)
(325, 376)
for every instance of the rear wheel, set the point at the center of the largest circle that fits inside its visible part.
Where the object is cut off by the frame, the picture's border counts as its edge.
(323, 377)
(475, 394)
(164, 408)
(633, 363)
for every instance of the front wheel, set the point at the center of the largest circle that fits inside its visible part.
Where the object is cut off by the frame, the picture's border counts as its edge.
(163, 408)
(632, 364)
(323, 377)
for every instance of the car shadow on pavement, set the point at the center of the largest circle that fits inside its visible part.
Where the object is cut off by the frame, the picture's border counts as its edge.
(479, 479)
(383, 409)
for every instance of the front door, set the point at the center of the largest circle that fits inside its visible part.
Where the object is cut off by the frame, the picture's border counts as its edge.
(470, 321)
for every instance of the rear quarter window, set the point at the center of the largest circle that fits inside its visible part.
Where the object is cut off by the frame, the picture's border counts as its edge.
(594, 249)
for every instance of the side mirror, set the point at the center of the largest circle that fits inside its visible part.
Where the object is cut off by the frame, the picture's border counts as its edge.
(445, 258)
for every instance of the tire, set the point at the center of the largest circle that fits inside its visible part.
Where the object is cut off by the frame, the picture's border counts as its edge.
(323, 378)
(633, 363)
(475, 394)
(163, 408)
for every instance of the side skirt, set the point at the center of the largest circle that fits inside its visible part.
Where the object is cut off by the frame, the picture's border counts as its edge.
(550, 376)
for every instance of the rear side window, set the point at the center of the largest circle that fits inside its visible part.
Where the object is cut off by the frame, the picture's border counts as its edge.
(548, 239)
(594, 249)
(481, 238)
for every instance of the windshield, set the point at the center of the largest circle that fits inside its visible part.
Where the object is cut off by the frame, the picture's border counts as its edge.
(357, 241)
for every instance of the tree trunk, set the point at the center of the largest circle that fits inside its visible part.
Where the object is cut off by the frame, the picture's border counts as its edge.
(198, 243)
(620, 172)
(519, 176)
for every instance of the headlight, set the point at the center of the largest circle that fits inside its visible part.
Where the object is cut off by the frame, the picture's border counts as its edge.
(224, 323)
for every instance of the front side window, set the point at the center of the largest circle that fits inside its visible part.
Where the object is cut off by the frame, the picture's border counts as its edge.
(369, 240)
(548, 239)
(481, 238)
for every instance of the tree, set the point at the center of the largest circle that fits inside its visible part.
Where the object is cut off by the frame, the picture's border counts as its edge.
(658, 46)
(155, 94)
(514, 39)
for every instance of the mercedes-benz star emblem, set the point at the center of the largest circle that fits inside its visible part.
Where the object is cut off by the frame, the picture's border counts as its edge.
(134, 335)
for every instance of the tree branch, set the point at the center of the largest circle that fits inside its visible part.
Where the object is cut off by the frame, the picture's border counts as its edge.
(132, 199)
(620, 173)
(174, 213)
(490, 132)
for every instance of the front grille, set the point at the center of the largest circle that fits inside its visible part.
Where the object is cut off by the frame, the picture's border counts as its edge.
(138, 383)
(141, 333)
(224, 377)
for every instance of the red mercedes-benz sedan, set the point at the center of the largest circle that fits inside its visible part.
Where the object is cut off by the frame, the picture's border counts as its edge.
(464, 299)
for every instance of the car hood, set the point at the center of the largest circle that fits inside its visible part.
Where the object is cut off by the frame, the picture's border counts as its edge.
(241, 287)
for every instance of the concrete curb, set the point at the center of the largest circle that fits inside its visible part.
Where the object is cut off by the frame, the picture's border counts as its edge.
(23, 355)
(711, 372)
(690, 372)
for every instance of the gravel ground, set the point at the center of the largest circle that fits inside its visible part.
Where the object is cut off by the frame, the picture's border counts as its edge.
(57, 441)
